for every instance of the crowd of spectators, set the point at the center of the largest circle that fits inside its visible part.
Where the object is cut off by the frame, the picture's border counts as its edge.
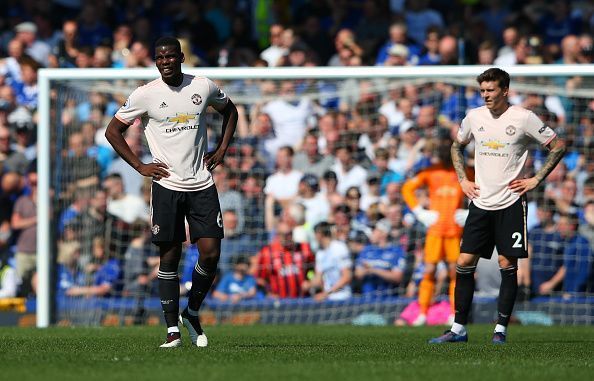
(310, 190)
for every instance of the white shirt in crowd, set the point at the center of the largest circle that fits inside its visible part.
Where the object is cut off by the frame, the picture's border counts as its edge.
(283, 186)
(128, 208)
(330, 262)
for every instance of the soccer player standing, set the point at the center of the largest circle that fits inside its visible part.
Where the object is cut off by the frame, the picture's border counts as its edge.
(172, 109)
(497, 212)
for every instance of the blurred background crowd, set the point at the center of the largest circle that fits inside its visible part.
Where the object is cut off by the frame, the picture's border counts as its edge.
(316, 166)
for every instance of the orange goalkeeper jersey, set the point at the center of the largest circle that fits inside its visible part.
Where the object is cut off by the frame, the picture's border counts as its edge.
(445, 196)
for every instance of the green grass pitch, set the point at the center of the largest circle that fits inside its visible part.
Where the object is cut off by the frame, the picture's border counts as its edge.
(321, 352)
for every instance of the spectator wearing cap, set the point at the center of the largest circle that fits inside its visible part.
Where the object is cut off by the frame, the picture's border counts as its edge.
(21, 121)
(26, 32)
(316, 205)
(333, 270)
(397, 55)
(309, 160)
(380, 265)
(297, 55)
(348, 172)
(236, 285)
(397, 35)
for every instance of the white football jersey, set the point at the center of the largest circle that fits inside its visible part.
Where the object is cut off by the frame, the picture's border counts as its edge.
(501, 150)
(175, 128)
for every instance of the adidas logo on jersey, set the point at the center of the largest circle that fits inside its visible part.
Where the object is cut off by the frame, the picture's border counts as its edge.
(481, 129)
(163, 105)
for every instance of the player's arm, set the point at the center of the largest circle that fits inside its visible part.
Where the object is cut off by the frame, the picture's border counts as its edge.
(470, 189)
(229, 113)
(115, 136)
(556, 149)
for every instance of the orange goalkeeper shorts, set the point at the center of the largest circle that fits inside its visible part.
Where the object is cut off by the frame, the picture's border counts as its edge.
(439, 248)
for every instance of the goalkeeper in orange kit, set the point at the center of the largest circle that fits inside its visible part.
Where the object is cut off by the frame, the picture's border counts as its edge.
(444, 219)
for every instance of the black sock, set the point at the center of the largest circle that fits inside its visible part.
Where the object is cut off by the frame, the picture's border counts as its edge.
(202, 278)
(169, 292)
(463, 293)
(507, 294)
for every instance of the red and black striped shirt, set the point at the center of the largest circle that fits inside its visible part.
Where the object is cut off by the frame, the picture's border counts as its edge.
(284, 270)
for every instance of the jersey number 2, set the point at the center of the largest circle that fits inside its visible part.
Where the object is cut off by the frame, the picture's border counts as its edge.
(518, 237)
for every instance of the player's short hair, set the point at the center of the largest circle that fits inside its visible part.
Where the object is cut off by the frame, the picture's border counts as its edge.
(168, 41)
(494, 74)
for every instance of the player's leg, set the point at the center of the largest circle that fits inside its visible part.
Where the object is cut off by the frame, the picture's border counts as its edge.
(508, 291)
(452, 252)
(206, 229)
(170, 254)
(477, 239)
(427, 287)
(168, 234)
(511, 243)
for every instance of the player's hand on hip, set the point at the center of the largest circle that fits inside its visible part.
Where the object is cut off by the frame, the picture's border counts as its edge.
(470, 189)
(522, 186)
(213, 159)
(425, 216)
(155, 170)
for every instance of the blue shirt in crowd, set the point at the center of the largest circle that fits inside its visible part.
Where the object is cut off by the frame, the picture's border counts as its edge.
(385, 258)
(577, 259)
(231, 284)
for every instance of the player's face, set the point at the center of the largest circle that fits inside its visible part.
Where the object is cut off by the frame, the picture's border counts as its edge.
(494, 96)
(168, 60)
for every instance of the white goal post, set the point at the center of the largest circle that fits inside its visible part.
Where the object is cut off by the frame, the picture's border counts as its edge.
(46, 76)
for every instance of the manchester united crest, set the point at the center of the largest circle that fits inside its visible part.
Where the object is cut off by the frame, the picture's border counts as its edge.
(510, 130)
(196, 99)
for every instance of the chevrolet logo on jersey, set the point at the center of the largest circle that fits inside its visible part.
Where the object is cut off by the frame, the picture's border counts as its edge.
(182, 118)
(493, 145)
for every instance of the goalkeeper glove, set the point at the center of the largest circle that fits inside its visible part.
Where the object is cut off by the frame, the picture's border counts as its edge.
(460, 216)
(425, 216)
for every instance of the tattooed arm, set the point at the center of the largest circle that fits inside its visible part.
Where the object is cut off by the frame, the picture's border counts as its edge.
(470, 189)
(556, 151)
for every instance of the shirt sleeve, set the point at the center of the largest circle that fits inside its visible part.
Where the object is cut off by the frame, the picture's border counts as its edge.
(464, 132)
(134, 107)
(216, 96)
(536, 129)
(344, 258)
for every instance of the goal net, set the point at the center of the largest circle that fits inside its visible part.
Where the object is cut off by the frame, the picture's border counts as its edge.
(97, 266)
